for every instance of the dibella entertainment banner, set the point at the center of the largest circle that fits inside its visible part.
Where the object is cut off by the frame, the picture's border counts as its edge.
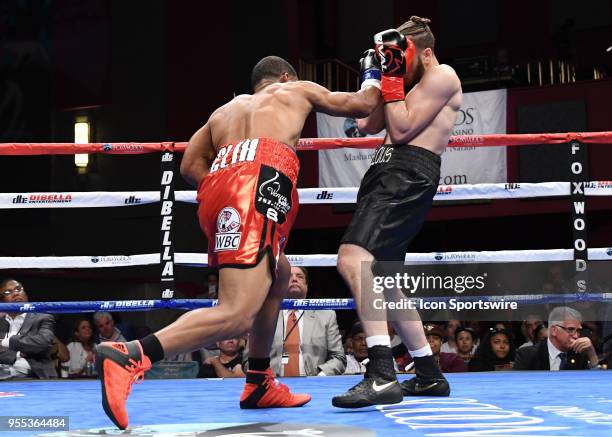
(481, 113)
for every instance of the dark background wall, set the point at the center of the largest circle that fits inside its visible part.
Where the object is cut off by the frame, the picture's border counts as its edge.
(153, 70)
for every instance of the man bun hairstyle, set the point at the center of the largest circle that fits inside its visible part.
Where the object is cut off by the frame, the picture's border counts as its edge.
(418, 30)
(270, 67)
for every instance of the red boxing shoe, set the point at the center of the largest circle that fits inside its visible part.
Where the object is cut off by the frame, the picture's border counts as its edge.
(119, 365)
(263, 391)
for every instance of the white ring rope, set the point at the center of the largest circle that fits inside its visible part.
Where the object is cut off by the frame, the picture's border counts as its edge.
(317, 260)
(98, 199)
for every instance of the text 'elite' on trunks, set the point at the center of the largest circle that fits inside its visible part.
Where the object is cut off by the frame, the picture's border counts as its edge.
(243, 151)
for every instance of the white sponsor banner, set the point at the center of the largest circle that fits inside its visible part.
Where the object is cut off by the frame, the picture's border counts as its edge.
(494, 256)
(499, 256)
(502, 191)
(342, 167)
(331, 195)
(481, 113)
(597, 188)
(315, 260)
(306, 195)
(78, 262)
(90, 199)
(448, 192)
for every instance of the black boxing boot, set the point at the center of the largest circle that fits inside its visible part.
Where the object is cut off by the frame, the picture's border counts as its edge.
(379, 384)
(428, 381)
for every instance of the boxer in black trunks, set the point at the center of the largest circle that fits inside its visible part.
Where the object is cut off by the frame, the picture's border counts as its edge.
(394, 198)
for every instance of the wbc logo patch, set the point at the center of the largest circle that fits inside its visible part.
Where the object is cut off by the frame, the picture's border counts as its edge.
(228, 226)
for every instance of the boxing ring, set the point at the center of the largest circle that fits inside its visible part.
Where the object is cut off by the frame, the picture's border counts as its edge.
(522, 404)
(481, 404)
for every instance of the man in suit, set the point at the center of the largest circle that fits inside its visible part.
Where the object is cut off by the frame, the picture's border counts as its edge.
(306, 342)
(564, 349)
(25, 339)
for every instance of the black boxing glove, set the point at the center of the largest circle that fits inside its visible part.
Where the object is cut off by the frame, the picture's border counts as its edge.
(395, 52)
(369, 68)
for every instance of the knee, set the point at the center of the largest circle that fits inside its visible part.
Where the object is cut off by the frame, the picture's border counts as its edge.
(351, 260)
(347, 265)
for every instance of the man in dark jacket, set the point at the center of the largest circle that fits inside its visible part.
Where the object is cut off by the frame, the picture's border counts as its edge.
(564, 349)
(26, 339)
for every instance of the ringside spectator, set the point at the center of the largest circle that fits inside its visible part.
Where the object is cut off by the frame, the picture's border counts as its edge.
(306, 342)
(450, 346)
(107, 331)
(465, 339)
(27, 338)
(212, 286)
(228, 364)
(564, 349)
(531, 322)
(495, 352)
(540, 333)
(212, 279)
(81, 350)
(356, 363)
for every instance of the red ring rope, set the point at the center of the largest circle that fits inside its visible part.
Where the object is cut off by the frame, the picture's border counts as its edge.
(305, 144)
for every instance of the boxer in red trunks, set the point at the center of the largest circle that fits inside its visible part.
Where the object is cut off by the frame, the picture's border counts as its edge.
(244, 164)
(258, 172)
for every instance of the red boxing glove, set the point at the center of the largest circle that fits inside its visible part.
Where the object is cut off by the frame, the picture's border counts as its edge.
(396, 53)
(392, 89)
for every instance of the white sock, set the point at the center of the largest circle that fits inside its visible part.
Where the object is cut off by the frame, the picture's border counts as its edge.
(423, 352)
(378, 340)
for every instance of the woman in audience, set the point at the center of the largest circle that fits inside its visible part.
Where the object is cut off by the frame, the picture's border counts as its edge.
(81, 361)
(464, 339)
(496, 352)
